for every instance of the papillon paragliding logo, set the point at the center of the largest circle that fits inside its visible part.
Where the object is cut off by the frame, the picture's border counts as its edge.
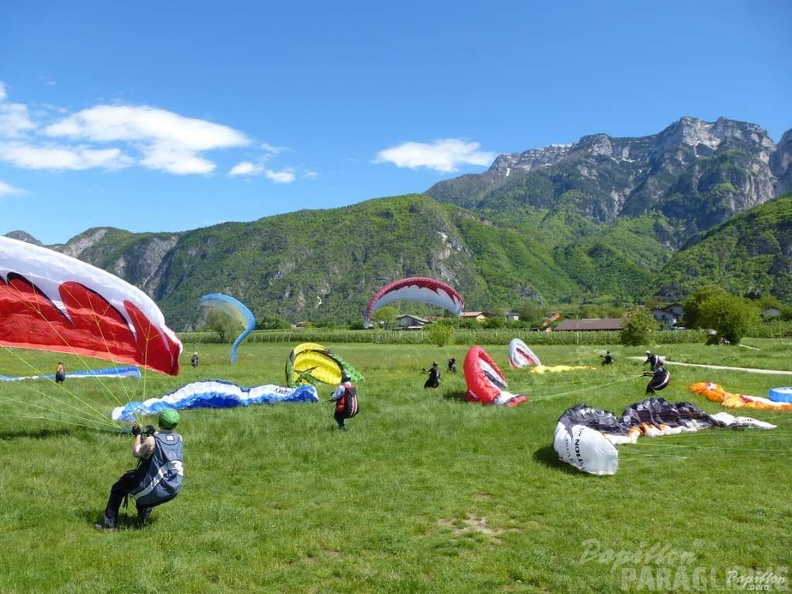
(52, 302)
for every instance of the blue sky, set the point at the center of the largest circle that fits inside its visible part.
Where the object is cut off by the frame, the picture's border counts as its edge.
(170, 116)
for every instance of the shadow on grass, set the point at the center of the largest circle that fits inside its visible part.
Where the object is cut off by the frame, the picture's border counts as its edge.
(458, 396)
(126, 521)
(549, 457)
(37, 434)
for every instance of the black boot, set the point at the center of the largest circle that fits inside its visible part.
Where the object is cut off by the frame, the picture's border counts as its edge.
(143, 515)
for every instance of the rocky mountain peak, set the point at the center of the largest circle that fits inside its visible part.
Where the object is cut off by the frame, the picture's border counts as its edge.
(781, 164)
(529, 160)
(23, 236)
(696, 133)
(78, 245)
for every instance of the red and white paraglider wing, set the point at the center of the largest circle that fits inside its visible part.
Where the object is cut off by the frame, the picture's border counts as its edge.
(417, 288)
(520, 355)
(53, 302)
(485, 381)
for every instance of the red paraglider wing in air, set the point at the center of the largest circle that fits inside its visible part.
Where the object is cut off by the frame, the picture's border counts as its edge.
(417, 288)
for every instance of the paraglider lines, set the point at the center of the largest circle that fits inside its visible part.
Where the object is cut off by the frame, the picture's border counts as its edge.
(585, 389)
(97, 419)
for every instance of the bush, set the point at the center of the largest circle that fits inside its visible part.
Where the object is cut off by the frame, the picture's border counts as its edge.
(440, 334)
(730, 316)
(640, 327)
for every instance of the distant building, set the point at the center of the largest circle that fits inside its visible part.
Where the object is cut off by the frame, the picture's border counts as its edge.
(589, 324)
(512, 317)
(479, 316)
(677, 309)
(409, 322)
(670, 315)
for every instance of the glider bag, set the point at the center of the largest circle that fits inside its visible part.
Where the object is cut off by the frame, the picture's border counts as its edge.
(586, 449)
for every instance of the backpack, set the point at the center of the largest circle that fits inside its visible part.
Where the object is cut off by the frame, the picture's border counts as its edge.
(350, 402)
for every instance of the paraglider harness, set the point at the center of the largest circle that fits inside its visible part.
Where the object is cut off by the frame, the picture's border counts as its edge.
(661, 377)
(161, 475)
(349, 402)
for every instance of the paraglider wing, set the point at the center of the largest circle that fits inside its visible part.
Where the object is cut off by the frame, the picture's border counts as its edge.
(215, 394)
(49, 301)
(584, 436)
(485, 381)
(109, 372)
(416, 288)
(312, 363)
(539, 369)
(716, 393)
(520, 355)
(237, 310)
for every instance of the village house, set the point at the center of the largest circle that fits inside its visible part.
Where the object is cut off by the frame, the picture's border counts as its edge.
(410, 322)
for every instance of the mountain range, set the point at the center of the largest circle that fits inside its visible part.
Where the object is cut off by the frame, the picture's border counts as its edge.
(608, 220)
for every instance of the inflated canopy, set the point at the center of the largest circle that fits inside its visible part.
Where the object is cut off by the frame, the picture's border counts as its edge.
(485, 381)
(49, 301)
(416, 288)
(238, 312)
(311, 363)
(520, 355)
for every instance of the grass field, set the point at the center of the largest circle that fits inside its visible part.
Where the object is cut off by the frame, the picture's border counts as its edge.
(426, 493)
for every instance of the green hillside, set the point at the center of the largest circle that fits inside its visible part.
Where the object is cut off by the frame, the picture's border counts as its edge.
(749, 255)
(600, 220)
(326, 265)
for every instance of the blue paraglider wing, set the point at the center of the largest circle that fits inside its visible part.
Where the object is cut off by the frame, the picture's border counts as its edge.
(133, 372)
(237, 310)
(215, 394)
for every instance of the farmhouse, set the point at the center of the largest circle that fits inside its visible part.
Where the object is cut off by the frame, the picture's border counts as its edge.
(669, 315)
(479, 316)
(410, 322)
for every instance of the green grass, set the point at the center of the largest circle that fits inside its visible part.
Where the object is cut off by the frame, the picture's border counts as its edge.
(426, 493)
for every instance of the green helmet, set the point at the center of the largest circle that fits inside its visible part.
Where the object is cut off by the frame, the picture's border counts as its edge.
(168, 418)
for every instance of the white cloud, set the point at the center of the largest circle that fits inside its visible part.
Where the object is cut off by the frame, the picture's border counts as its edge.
(270, 150)
(14, 120)
(62, 158)
(117, 136)
(167, 141)
(147, 124)
(285, 176)
(245, 168)
(175, 159)
(9, 190)
(445, 155)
